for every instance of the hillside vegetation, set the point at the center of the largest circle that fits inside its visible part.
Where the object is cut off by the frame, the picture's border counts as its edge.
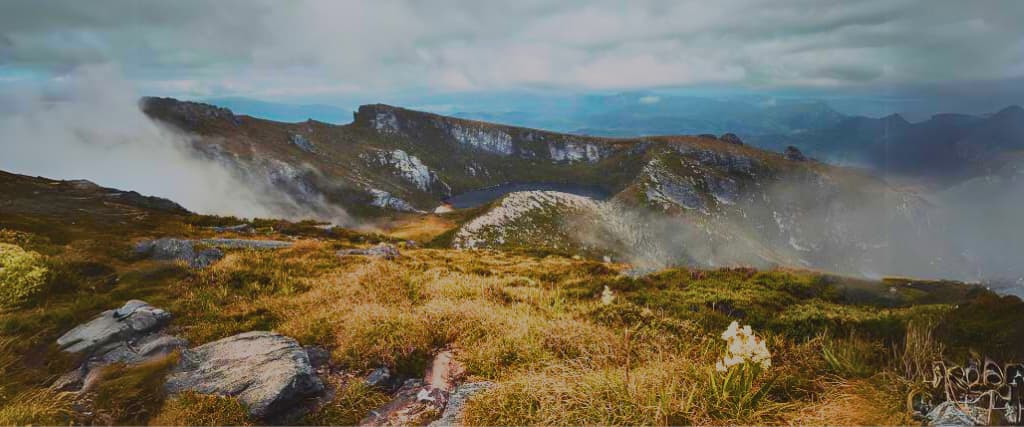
(565, 340)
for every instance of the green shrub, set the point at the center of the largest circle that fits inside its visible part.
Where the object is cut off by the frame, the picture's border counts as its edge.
(23, 274)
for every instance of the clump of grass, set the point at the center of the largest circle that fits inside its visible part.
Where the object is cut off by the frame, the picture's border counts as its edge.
(853, 356)
(194, 409)
(40, 406)
(919, 349)
(131, 394)
(353, 400)
(23, 275)
(878, 400)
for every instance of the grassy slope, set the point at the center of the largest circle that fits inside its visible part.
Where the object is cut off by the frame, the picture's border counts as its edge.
(534, 324)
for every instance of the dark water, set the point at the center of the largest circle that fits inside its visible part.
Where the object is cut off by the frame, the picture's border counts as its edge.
(474, 198)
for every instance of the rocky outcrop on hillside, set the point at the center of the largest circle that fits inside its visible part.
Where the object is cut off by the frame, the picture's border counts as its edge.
(170, 249)
(383, 251)
(498, 140)
(183, 250)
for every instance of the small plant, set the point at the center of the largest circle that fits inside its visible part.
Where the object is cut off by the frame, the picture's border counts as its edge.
(744, 347)
(607, 296)
(736, 388)
(23, 274)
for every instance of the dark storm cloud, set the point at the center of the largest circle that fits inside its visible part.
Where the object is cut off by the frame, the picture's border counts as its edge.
(294, 48)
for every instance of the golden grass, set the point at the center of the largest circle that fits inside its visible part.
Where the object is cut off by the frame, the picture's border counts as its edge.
(190, 408)
(533, 324)
(353, 400)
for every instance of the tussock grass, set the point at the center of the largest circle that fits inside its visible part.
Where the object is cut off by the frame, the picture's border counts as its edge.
(353, 400)
(190, 408)
(131, 394)
(532, 323)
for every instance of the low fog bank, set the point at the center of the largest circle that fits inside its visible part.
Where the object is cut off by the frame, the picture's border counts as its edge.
(972, 233)
(88, 125)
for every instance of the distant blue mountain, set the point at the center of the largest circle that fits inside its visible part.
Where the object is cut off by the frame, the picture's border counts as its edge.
(284, 112)
(622, 114)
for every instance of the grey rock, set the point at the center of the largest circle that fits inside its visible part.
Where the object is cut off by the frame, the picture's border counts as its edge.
(724, 189)
(129, 323)
(170, 249)
(380, 377)
(731, 138)
(319, 357)
(794, 154)
(452, 415)
(247, 243)
(130, 334)
(301, 142)
(951, 414)
(383, 250)
(206, 258)
(240, 228)
(266, 371)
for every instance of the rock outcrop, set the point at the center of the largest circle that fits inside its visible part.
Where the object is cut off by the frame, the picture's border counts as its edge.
(170, 249)
(419, 401)
(247, 243)
(268, 372)
(794, 154)
(383, 251)
(731, 138)
(452, 415)
(130, 334)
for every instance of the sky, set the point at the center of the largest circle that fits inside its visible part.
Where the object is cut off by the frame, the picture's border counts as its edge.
(948, 55)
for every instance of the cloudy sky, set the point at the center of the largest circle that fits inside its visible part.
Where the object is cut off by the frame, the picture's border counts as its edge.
(316, 51)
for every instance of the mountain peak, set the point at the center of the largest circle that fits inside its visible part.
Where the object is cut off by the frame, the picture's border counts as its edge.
(1011, 111)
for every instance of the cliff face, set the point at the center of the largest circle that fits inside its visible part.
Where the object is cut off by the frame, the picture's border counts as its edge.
(694, 199)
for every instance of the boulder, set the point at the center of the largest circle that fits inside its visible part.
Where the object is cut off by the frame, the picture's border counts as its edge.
(380, 377)
(794, 154)
(268, 372)
(131, 322)
(452, 415)
(247, 243)
(731, 138)
(170, 249)
(130, 334)
(955, 414)
(383, 250)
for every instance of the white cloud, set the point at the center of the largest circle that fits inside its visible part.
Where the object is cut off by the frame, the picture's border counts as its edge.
(245, 47)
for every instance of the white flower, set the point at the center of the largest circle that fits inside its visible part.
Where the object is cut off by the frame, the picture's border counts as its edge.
(743, 346)
(607, 296)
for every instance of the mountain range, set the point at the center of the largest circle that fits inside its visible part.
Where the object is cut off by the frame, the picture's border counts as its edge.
(666, 200)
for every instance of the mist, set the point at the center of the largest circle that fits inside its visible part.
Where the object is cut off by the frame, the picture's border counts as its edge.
(88, 125)
(969, 233)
